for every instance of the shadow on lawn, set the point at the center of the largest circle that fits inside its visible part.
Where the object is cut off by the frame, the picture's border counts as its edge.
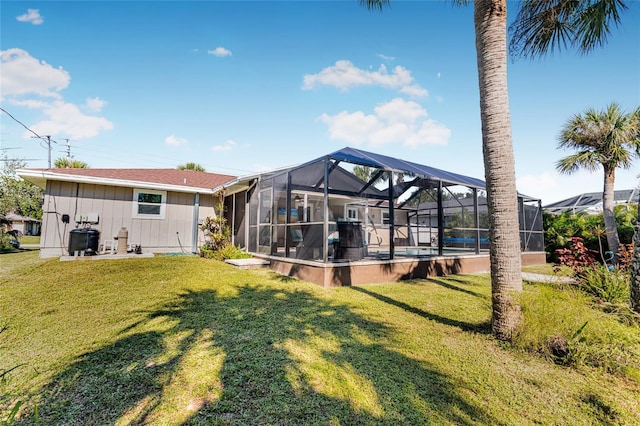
(483, 327)
(287, 357)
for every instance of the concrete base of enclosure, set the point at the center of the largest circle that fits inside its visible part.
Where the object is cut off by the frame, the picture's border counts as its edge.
(378, 271)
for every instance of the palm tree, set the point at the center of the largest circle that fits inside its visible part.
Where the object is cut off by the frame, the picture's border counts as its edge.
(67, 163)
(608, 138)
(634, 282)
(191, 166)
(540, 26)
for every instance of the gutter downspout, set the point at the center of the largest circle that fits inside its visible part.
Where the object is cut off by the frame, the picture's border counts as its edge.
(194, 231)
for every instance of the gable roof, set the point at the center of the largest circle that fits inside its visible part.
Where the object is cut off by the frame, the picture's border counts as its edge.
(163, 179)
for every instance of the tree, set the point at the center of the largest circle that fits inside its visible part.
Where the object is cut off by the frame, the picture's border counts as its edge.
(540, 26)
(191, 166)
(66, 163)
(634, 283)
(608, 138)
(16, 194)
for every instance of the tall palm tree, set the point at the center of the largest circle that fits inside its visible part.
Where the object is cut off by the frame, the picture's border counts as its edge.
(608, 138)
(541, 26)
(634, 283)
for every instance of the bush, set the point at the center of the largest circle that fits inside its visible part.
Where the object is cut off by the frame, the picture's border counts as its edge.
(218, 240)
(227, 252)
(611, 286)
(604, 282)
(559, 228)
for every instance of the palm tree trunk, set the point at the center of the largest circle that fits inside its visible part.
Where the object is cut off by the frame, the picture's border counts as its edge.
(607, 207)
(490, 18)
(635, 266)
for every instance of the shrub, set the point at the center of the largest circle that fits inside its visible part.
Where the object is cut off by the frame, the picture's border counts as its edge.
(577, 256)
(611, 286)
(227, 252)
(559, 228)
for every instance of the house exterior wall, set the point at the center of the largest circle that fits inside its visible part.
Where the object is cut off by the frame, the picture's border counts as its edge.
(114, 206)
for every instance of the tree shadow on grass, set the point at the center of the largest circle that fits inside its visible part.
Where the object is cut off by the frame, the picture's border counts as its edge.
(482, 327)
(448, 284)
(286, 357)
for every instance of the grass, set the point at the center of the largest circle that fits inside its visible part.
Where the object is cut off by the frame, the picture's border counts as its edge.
(188, 340)
(30, 239)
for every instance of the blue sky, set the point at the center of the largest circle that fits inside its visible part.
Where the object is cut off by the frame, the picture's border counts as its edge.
(242, 86)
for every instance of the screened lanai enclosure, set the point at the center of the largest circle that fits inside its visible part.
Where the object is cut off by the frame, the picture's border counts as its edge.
(353, 205)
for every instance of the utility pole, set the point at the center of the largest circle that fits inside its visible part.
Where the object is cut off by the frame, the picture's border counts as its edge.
(47, 139)
(68, 149)
(49, 148)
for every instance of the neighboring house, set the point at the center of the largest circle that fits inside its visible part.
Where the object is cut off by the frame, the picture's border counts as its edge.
(160, 208)
(591, 202)
(23, 224)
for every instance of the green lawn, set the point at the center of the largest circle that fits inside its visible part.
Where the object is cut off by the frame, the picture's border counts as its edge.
(185, 340)
(30, 239)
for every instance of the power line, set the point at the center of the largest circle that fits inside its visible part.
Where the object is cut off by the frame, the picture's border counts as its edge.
(19, 122)
(42, 138)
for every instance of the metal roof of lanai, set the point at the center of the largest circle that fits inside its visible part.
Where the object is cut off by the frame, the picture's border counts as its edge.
(312, 170)
(365, 158)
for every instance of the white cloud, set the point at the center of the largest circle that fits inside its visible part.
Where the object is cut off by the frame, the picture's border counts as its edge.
(173, 140)
(34, 84)
(400, 110)
(344, 75)
(32, 16)
(23, 74)
(227, 146)
(65, 119)
(220, 52)
(537, 185)
(94, 104)
(397, 121)
(385, 57)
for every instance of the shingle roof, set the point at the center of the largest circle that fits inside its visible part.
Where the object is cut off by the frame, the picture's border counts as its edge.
(188, 178)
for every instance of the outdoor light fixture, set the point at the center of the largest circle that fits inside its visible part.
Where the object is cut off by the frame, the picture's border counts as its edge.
(297, 198)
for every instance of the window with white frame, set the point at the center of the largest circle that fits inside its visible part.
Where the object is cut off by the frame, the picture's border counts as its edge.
(149, 204)
(351, 213)
(385, 217)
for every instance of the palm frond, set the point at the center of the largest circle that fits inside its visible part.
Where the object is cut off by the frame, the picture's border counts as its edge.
(610, 138)
(543, 26)
(593, 24)
(374, 4)
(581, 160)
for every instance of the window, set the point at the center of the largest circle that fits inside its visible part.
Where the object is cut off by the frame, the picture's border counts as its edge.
(149, 204)
(352, 213)
(385, 217)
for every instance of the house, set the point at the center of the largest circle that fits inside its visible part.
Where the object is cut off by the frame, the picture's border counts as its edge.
(23, 224)
(160, 208)
(321, 221)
